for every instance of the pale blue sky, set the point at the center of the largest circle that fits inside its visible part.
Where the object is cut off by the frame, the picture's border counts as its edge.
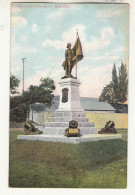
(40, 34)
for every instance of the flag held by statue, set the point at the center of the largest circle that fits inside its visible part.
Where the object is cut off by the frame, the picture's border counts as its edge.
(77, 53)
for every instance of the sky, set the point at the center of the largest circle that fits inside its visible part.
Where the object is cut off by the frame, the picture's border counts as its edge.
(40, 33)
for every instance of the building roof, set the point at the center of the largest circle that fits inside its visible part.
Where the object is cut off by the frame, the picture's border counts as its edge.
(38, 107)
(89, 104)
(92, 104)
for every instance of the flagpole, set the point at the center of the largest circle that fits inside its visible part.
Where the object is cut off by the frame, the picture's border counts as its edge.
(76, 50)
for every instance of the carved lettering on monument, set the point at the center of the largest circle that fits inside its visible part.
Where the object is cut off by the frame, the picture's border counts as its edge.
(65, 95)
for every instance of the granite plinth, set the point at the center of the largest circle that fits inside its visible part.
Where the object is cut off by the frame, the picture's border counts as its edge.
(61, 120)
(68, 114)
(67, 119)
(73, 140)
(61, 130)
(66, 124)
(73, 96)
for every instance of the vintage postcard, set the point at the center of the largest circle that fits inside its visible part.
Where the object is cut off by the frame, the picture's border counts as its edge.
(69, 95)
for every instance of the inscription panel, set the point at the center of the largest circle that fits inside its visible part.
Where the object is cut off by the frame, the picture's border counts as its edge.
(65, 95)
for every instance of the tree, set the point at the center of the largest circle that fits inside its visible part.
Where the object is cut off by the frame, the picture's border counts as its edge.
(123, 83)
(20, 105)
(117, 90)
(14, 83)
(18, 109)
(115, 85)
(107, 94)
(41, 93)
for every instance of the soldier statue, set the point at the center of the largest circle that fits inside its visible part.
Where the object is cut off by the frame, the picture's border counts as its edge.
(72, 56)
(68, 61)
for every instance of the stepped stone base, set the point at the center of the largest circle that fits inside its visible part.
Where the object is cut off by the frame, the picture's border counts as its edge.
(69, 114)
(69, 109)
(61, 119)
(73, 140)
(65, 119)
(61, 130)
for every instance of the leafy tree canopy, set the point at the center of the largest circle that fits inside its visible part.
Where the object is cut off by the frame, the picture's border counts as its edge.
(117, 90)
(123, 83)
(14, 83)
(107, 94)
(41, 93)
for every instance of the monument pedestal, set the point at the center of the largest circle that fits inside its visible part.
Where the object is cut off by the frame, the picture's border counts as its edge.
(69, 109)
(69, 95)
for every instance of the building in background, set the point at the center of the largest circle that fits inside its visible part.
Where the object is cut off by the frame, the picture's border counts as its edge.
(41, 114)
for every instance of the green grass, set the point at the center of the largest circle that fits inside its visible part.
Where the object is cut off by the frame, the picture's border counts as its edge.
(100, 164)
(124, 133)
(112, 175)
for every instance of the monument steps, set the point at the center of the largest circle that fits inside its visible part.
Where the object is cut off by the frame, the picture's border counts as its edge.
(67, 119)
(66, 124)
(69, 110)
(61, 130)
(69, 114)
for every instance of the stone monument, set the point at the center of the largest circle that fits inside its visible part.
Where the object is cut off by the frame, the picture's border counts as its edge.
(69, 107)
(69, 103)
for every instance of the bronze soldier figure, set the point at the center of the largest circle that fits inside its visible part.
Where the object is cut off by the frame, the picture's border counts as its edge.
(68, 60)
(72, 56)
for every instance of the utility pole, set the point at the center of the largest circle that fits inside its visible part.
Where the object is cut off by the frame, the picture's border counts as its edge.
(23, 60)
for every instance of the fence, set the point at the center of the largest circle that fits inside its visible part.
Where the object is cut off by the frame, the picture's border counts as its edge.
(100, 119)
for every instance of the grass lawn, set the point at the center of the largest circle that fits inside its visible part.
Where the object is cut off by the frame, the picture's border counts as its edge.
(99, 164)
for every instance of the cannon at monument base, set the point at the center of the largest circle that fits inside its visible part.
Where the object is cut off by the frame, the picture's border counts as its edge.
(109, 128)
(30, 129)
(73, 130)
